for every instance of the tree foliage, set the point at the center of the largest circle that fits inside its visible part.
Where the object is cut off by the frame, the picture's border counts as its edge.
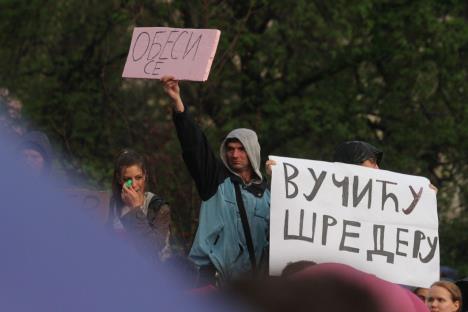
(305, 75)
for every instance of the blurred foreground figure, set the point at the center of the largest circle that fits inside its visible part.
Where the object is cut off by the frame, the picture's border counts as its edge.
(55, 258)
(328, 287)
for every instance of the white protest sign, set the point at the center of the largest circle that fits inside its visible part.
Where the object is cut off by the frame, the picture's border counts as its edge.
(378, 221)
(186, 54)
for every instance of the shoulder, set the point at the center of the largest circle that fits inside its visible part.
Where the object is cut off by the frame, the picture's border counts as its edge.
(256, 189)
(164, 208)
(156, 200)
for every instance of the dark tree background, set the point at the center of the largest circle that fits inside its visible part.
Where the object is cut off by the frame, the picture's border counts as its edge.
(304, 74)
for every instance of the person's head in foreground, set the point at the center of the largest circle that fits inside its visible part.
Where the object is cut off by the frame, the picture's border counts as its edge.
(36, 152)
(327, 287)
(358, 153)
(444, 296)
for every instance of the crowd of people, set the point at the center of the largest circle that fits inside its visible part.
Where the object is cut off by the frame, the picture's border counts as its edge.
(230, 248)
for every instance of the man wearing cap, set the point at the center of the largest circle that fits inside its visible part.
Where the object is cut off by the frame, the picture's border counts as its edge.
(358, 153)
(350, 152)
(232, 236)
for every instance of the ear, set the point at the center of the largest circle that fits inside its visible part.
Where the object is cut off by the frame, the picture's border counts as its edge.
(456, 305)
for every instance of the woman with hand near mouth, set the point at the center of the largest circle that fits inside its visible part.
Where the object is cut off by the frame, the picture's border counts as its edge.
(140, 214)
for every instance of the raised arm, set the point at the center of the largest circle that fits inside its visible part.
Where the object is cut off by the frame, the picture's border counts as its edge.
(171, 87)
(205, 168)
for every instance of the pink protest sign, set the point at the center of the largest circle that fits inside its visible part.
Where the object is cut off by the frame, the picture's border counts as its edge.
(186, 54)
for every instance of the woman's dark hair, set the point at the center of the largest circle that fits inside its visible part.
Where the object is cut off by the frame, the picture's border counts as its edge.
(126, 158)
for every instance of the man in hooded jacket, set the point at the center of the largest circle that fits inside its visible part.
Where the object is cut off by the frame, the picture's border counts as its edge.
(221, 244)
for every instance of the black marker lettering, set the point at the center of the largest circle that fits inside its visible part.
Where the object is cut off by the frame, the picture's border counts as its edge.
(418, 238)
(288, 236)
(167, 41)
(386, 196)
(155, 73)
(416, 198)
(345, 185)
(327, 222)
(175, 42)
(288, 178)
(145, 34)
(146, 67)
(379, 250)
(317, 184)
(349, 234)
(197, 42)
(366, 190)
(152, 56)
(400, 242)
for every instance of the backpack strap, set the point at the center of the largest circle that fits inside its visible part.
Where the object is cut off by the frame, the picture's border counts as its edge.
(245, 225)
(154, 206)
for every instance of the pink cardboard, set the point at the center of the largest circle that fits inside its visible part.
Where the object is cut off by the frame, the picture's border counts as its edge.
(186, 54)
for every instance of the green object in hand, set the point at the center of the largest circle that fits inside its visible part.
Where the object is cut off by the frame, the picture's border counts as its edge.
(128, 183)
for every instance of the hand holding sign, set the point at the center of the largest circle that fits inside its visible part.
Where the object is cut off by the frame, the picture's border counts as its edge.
(171, 87)
(187, 54)
(269, 165)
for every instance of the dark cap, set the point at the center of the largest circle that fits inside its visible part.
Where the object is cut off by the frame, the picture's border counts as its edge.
(356, 152)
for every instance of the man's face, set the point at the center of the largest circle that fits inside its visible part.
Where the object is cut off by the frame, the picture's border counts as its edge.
(237, 157)
(370, 163)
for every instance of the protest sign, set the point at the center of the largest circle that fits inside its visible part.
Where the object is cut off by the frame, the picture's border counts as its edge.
(96, 203)
(378, 221)
(186, 54)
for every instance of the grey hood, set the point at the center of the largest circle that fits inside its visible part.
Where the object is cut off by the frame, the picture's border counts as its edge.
(249, 140)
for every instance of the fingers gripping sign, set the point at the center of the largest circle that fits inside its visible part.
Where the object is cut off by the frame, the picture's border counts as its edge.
(269, 166)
